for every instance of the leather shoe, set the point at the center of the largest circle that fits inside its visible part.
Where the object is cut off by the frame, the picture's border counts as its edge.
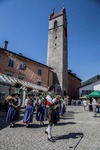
(11, 125)
(46, 132)
(51, 140)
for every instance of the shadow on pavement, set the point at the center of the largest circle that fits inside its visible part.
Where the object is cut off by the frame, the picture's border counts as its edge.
(64, 118)
(96, 116)
(78, 136)
(38, 126)
(34, 125)
(65, 123)
(3, 123)
(31, 126)
(69, 114)
(71, 135)
(72, 112)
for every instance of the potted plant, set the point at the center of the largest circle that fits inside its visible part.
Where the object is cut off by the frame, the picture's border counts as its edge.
(29, 88)
(17, 85)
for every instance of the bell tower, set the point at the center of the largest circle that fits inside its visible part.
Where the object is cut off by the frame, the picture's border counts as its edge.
(57, 55)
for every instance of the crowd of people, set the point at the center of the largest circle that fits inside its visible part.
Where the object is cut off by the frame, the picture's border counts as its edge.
(47, 107)
(92, 104)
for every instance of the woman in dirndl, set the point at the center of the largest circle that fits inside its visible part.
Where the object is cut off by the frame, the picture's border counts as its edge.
(63, 107)
(13, 111)
(30, 108)
(41, 111)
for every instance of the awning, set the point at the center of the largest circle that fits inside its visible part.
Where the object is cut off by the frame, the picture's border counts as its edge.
(11, 80)
(83, 97)
(95, 94)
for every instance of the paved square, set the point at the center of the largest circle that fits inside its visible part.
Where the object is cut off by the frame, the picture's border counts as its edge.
(77, 130)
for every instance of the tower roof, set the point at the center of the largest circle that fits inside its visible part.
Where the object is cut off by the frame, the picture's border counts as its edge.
(54, 15)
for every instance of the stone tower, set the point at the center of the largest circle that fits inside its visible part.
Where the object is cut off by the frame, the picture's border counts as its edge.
(57, 55)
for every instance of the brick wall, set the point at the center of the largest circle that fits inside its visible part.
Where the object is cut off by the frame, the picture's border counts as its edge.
(73, 84)
(31, 72)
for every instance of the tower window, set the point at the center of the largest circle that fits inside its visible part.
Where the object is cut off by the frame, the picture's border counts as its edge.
(22, 66)
(11, 62)
(55, 37)
(9, 74)
(55, 24)
(38, 82)
(55, 30)
(39, 71)
(21, 77)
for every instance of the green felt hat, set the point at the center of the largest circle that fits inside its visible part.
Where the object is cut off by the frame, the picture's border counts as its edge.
(16, 93)
(30, 94)
(44, 94)
(61, 99)
(41, 98)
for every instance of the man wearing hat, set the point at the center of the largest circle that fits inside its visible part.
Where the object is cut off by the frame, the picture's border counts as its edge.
(30, 108)
(51, 112)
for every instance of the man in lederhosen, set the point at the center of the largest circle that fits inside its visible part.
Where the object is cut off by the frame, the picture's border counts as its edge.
(51, 112)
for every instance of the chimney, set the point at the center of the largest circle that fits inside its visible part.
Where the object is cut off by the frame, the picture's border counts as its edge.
(5, 44)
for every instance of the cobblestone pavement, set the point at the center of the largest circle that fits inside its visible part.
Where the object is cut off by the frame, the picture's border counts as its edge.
(77, 130)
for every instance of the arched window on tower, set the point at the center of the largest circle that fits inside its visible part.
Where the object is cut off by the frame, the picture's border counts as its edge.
(55, 24)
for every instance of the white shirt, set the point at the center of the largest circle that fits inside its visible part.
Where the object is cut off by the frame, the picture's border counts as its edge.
(26, 101)
(84, 102)
(19, 101)
(94, 102)
(49, 99)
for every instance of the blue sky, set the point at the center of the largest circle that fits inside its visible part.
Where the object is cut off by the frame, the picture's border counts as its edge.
(24, 23)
